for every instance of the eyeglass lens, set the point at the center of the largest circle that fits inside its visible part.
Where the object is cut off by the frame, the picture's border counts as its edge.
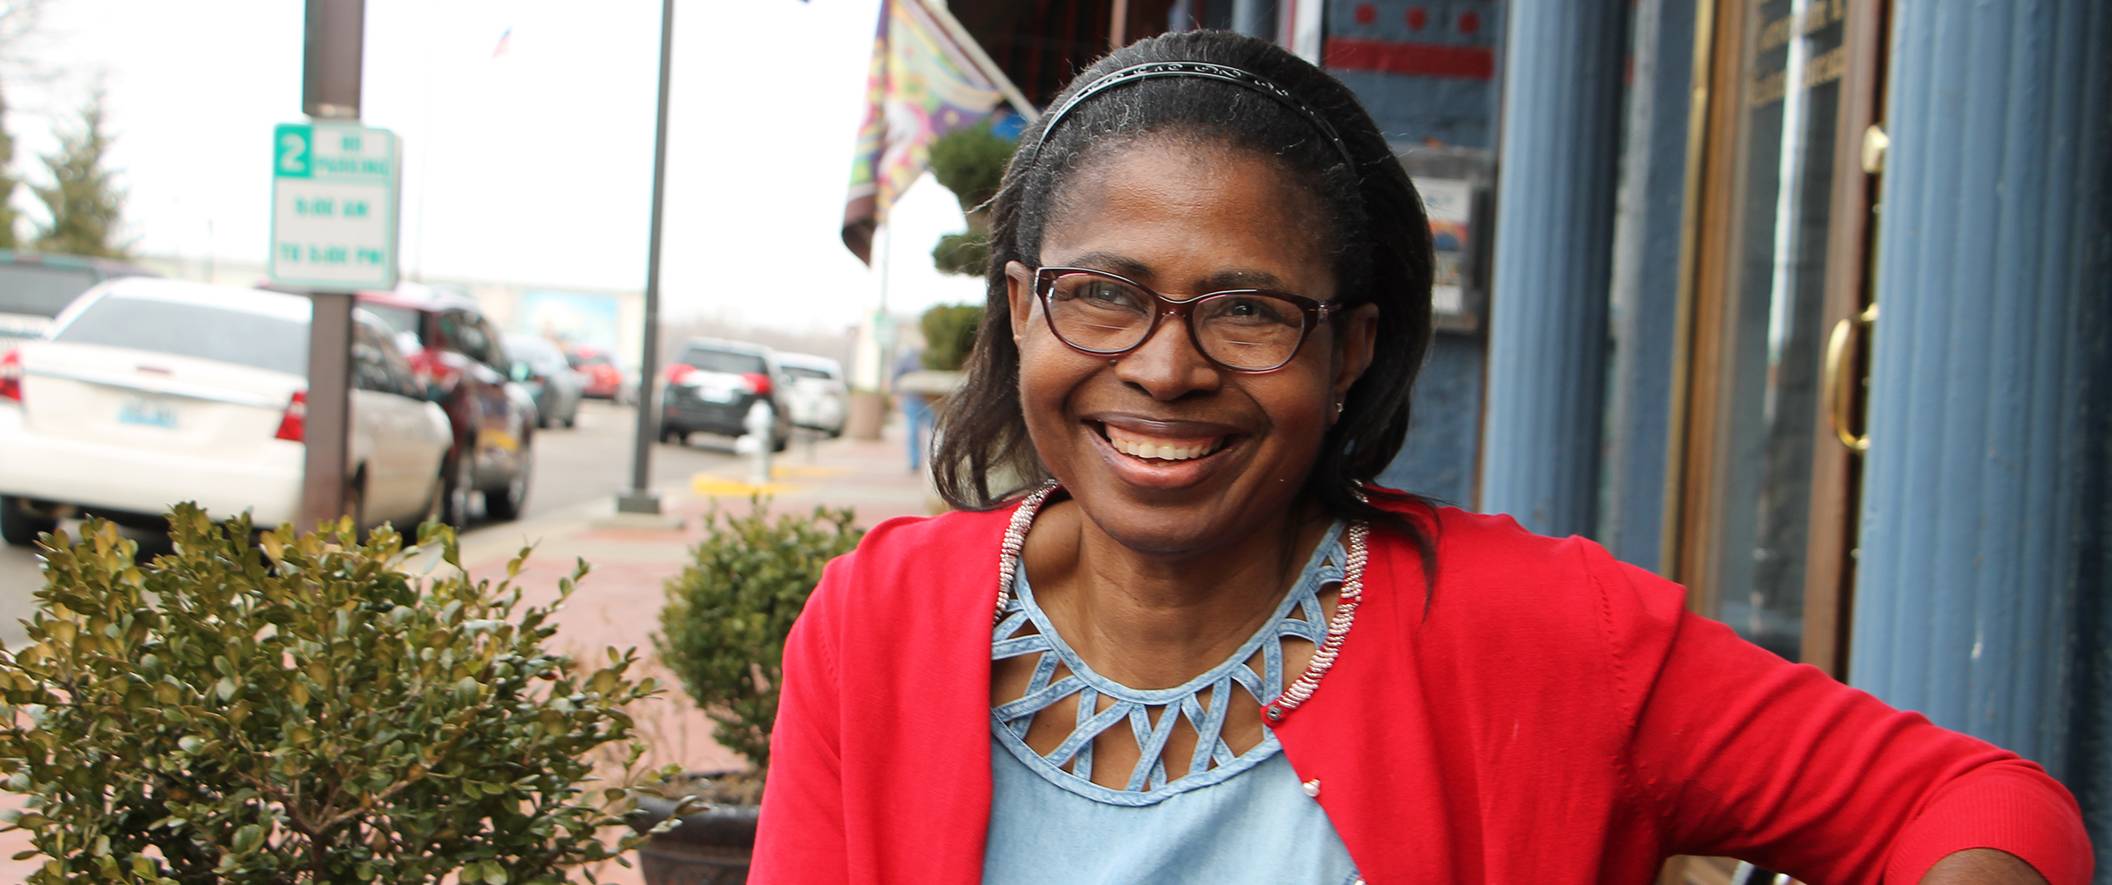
(1240, 330)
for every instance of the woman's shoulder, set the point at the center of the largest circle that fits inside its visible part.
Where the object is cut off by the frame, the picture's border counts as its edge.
(916, 563)
(1498, 581)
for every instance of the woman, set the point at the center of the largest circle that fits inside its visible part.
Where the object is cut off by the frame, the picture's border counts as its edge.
(1201, 646)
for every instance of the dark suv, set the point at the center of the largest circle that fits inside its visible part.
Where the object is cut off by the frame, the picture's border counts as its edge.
(34, 288)
(712, 384)
(461, 360)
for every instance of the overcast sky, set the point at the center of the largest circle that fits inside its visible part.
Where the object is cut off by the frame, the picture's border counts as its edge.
(532, 164)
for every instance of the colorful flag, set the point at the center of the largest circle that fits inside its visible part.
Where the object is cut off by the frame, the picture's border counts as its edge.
(922, 84)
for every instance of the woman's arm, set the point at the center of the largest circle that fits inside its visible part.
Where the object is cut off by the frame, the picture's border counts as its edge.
(1982, 866)
(1743, 754)
(800, 837)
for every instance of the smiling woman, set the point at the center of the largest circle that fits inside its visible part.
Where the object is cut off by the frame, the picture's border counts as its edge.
(1199, 643)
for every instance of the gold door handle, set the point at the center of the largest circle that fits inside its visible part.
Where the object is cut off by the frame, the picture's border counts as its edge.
(1840, 382)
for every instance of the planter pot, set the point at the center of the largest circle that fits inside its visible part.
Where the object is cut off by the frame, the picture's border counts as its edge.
(711, 847)
(868, 413)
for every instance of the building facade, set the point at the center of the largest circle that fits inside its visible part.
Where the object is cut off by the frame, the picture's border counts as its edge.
(1806, 304)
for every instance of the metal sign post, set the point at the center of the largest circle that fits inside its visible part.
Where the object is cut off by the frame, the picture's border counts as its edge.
(640, 497)
(335, 189)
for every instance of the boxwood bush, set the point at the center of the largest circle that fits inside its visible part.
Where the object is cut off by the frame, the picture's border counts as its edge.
(276, 708)
(723, 629)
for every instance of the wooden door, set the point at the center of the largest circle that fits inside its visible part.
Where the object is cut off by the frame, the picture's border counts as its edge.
(1766, 494)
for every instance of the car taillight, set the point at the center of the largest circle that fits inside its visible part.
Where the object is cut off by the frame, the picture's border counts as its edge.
(758, 383)
(430, 368)
(293, 426)
(679, 371)
(11, 376)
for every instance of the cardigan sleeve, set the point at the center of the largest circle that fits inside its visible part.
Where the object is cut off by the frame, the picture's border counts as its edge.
(1746, 755)
(800, 835)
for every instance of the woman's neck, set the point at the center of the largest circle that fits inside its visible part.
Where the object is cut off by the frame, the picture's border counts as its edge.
(1153, 621)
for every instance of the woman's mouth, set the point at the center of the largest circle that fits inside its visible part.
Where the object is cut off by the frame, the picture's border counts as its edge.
(1160, 448)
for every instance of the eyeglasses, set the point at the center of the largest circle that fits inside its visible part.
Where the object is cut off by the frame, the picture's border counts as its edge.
(1242, 330)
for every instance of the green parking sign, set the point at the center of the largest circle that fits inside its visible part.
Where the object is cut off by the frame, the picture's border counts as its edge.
(335, 192)
(294, 142)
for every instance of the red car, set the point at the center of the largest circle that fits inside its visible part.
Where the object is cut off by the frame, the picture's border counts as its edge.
(461, 360)
(604, 376)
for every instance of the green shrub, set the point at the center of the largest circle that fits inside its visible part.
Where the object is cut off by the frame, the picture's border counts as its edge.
(723, 629)
(971, 163)
(949, 335)
(966, 254)
(304, 712)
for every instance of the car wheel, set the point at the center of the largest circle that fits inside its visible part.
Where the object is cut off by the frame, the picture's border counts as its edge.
(507, 503)
(355, 503)
(461, 491)
(18, 527)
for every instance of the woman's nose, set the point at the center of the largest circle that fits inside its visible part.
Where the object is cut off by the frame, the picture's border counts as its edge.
(1167, 366)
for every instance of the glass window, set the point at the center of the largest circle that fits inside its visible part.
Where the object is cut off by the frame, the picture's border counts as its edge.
(732, 362)
(1775, 317)
(199, 331)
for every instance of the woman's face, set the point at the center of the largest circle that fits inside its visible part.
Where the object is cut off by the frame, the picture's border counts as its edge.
(1228, 453)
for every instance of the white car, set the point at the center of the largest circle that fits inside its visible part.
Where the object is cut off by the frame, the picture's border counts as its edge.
(148, 393)
(818, 397)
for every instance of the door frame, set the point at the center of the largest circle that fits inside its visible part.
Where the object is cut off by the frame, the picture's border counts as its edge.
(1703, 414)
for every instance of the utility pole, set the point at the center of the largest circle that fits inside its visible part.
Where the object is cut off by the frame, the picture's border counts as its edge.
(641, 498)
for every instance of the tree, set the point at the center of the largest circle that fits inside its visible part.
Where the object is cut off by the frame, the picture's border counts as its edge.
(9, 216)
(83, 199)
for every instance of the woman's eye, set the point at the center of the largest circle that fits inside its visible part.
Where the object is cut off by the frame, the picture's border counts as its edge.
(1107, 293)
(1247, 310)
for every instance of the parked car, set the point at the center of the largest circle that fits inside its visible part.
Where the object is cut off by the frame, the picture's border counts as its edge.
(817, 395)
(712, 384)
(605, 377)
(540, 366)
(151, 392)
(460, 360)
(35, 288)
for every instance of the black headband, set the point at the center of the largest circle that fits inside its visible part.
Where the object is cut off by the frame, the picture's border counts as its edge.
(1204, 70)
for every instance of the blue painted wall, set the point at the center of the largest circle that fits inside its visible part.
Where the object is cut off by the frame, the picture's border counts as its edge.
(1982, 595)
(1439, 457)
(1645, 290)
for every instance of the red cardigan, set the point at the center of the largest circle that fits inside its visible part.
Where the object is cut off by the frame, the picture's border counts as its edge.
(1555, 716)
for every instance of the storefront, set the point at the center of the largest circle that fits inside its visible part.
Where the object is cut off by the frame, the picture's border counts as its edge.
(1852, 377)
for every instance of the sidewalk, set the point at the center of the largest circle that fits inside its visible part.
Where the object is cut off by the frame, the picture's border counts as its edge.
(618, 604)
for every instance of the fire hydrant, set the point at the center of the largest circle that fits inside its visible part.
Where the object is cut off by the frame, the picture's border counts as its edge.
(759, 425)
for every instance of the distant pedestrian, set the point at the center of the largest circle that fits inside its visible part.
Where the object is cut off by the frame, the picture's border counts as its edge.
(916, 408)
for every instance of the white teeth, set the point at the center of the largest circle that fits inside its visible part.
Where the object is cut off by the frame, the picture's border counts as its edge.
(1161, 450)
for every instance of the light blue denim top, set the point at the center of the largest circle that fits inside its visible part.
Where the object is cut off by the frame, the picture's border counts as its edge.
(1231, 818)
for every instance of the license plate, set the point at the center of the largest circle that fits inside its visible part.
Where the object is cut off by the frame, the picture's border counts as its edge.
(715, 395)
(147, 413)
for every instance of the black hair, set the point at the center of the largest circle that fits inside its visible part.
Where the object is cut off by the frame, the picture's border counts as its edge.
(1374, 222)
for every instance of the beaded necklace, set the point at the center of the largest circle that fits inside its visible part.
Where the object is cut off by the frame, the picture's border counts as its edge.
(1301, 690)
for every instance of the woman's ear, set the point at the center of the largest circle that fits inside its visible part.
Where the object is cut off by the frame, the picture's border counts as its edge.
(1359, 331)
(1019, 292)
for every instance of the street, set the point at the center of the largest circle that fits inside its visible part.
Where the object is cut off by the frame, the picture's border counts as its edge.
(572, 467)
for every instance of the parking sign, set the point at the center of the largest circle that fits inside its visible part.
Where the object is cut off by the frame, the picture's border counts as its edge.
(334, 190)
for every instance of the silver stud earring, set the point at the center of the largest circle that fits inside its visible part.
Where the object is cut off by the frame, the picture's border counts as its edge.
(1338, 409)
